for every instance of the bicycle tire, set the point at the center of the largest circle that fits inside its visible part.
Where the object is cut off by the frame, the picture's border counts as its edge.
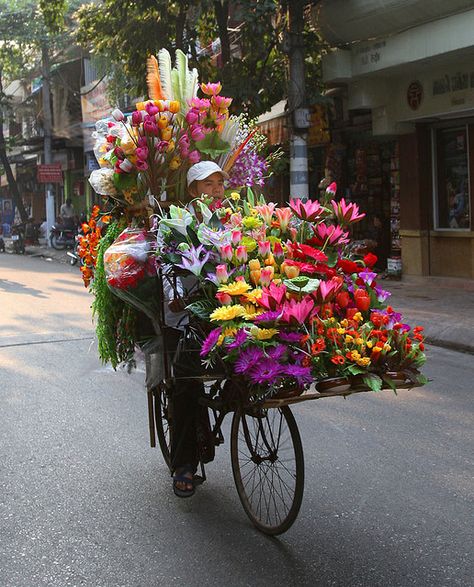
(271, 491)
(163, 422)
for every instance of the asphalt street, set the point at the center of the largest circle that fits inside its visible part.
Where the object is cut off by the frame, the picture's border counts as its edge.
(85, 501)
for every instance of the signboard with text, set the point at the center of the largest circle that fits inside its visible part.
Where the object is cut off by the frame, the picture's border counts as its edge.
(51, 173)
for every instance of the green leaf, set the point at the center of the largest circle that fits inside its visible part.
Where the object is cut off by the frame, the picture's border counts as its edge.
(356, 370)
(212, 145)
(193, 237)
(125, 181)
(373, 382)
(202, 309)
(250, 197)
(332, 257)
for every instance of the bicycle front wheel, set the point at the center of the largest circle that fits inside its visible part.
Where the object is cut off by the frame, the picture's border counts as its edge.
(268, 467)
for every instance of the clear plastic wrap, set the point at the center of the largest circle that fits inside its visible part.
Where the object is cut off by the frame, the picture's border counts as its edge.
(130, 269)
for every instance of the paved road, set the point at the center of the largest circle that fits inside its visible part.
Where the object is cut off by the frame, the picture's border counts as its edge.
(85, 501)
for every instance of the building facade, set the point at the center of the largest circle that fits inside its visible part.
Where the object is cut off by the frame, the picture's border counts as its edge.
(406, 102)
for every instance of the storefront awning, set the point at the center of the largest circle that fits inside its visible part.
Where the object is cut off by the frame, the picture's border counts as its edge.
(273, 124)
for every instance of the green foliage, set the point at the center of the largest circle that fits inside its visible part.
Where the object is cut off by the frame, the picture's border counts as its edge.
(115, 320)
(254, 72)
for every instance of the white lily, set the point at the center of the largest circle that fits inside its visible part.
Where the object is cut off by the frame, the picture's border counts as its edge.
(179, 219)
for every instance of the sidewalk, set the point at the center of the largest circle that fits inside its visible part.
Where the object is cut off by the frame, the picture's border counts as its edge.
(443, 306)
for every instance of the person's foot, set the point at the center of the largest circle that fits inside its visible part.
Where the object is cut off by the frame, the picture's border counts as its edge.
(183, 484)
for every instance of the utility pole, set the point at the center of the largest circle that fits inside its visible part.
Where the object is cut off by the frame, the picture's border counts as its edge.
(299, 114)
(47, 129)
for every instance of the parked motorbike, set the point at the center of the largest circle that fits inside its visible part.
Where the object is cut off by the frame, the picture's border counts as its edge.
(18, 238)
(74, 254)
(62, 236)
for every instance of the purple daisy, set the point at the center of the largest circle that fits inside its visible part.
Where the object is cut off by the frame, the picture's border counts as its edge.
(265, 372)
(271, 316)
(240, 338)
(276, 352)
(210, 341)
(301, 374)
(247, 359)
(291, 337)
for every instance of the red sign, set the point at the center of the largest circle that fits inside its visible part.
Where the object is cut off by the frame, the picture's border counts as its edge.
(415, 95)
(51, 173)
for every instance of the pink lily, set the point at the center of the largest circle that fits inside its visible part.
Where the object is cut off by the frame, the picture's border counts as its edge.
(273, 296)
(211, 89)
(309, 211)
(222, 274)
(236, 237)
(264, 248)
(266, 276)
(331, 235)
(226, 253)
(224, 298)
(197, 134)
(283, 215)
(220, 102)
(278, 252)
(266, 212)
(346, 213)
(199, 103)
(331, 189)
(241, 254)
(194, 157)
(328, 289)
(297, 312)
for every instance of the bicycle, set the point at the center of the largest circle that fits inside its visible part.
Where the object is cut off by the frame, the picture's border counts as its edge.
(265, 444)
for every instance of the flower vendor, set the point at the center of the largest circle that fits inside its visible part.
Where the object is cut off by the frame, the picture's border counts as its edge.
(204, 179)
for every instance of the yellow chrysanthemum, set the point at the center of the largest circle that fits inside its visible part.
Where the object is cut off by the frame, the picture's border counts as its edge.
(344, 323)
(341, 330)
(253, 296)
(355, 356)
(387, 347)
(227, 313)
(370, 344)
(349, 338)
(235, 196)
(263, 333)
(251, 311)
(363, 362)
(236, 288)
(359, 341)
(357, 316)
(250, 222)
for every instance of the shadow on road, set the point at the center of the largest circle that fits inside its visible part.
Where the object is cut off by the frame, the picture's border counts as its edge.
(15, 287)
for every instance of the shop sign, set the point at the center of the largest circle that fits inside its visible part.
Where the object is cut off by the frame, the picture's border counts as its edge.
(453, 83)
(415, 95)
(51, 173)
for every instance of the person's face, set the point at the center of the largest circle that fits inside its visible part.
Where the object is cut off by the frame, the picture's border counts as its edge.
(212, 186)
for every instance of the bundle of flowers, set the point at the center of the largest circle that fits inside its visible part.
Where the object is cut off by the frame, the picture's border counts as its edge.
(149, 151)
(130, 270)
(286, 303)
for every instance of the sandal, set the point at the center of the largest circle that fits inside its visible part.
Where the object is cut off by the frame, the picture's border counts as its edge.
(182, 476)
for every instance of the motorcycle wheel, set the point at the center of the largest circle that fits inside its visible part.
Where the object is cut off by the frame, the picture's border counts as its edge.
(72, 260)
(57, 243)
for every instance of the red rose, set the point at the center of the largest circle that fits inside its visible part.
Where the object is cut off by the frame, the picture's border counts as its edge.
(342, 299)
(348, 266)
(362, 299)
(370, 259)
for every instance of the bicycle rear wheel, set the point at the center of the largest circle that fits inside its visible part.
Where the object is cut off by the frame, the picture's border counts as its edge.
(163, 421)
(268, 467)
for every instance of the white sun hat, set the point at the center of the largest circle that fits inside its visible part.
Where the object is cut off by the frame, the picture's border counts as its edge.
(202, 170)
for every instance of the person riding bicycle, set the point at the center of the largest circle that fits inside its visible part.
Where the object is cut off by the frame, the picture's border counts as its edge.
(204, 178)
